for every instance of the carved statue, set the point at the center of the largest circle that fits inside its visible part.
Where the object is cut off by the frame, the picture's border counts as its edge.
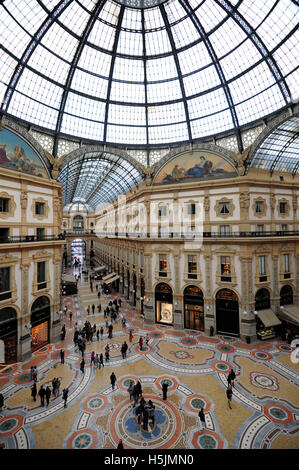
(244, 200)
(240, 159)
(24, 200)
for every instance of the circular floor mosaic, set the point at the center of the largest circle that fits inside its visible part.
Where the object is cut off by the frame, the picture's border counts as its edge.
(162, 434)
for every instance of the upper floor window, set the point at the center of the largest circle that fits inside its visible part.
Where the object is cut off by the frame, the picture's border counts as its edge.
(39, 208)
(262, 268)
(286, 263)
(224, 230)
(162, 211)
(191, 209)
(40, 233)
(5, 283)
(259, 207)
(4, 204)
(162, 265)
(41, 275)
(192, 267)
(282, 207)
(225, 267)
(224, 207)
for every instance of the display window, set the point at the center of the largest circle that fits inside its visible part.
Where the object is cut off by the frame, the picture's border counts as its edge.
(194, 317)
(164, 312)
(39, 335)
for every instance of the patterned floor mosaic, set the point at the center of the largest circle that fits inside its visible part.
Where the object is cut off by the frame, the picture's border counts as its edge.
(265, 405)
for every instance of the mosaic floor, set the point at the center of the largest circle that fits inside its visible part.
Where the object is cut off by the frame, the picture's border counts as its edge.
(265, 405)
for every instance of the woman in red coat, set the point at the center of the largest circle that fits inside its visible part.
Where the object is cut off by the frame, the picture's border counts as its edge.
(131, 336)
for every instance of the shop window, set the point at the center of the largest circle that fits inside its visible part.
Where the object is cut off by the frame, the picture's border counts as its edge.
(162, 265)
(39, 208)
(225, 266)
(5, 283)
(4, 204)
(41, 275)
(192, 267)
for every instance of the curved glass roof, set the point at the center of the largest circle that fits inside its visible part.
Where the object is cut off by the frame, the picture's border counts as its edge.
(280, 150)
(77, 207)
(146, 72)
(95, 179)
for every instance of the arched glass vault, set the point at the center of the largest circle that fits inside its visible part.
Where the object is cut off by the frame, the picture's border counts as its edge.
(97, 178)
(147, 73)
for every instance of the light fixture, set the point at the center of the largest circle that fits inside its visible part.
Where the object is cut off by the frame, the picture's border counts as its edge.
(141, 298)
(281, 307)
(255, 312)
(208, 307)
(244, 312)
(147, 299)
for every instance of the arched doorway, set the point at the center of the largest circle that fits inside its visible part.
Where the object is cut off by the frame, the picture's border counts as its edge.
(78, 252)
(193, 308)
(227, 312)
(40, 321)
(164, 302)
(286, 295)
(9, 334)
(78, 224)
(262, 299)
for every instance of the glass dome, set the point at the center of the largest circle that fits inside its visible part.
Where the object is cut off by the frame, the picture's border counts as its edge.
(78, 207)
(147, 72)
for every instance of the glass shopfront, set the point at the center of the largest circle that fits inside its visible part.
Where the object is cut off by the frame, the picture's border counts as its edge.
(227, 312)
(193, 308)
(40, 321)
(164, 304)
(9, 334)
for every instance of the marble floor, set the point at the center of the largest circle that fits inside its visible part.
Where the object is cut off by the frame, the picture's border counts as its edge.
(265, 404)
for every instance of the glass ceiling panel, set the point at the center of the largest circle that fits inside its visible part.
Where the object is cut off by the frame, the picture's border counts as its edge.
(280, 150)
(147, 65)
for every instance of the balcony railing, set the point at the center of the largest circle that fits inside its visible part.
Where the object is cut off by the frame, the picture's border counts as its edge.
(32, 238)
(186, 235)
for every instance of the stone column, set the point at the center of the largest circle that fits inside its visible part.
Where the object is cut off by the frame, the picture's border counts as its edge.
(24, 202)
(275, 301)
(244, 210)
(246, 306)
(209, 315)
(272, 208)
(24, 346)
(178, 317)
(55, 319)
(149, 301)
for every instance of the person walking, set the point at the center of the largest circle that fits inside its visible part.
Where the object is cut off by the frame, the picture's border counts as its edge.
(82, 365)
(88, 310)
(113, 380)
(42, 393)
(34, 391)
(93, 308)
(232, 376)
(151, 411)
(164, 389)
(131, 336)
(123, 351)
(48, 395)
(98, 334)
(34, 374)
(96, 361)
(130, 389)
(229, 394)
(135, 395)
(145, 418)
(140, 343)
(57, 387)
(1, 401)
(147, 338)
(71, 316)
(101, 332)
(92, 358)
(62, 356)
(65, 393)
(107, 353)
(139, 389)
(139, 414)
(101, 364)
(202, 419)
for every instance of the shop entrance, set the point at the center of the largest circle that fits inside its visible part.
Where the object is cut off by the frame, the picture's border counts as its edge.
(193, 308)
(227, 312)
(40, 321)
(9, 334)
(164, 301)
(286, 295)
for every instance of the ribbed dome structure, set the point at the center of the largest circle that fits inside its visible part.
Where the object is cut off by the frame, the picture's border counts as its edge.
(147, 72)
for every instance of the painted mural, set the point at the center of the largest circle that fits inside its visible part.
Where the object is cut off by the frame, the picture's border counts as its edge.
(196, 166)
(16, 154)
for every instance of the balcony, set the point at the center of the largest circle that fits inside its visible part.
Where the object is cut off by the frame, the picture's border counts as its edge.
(31, 238)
